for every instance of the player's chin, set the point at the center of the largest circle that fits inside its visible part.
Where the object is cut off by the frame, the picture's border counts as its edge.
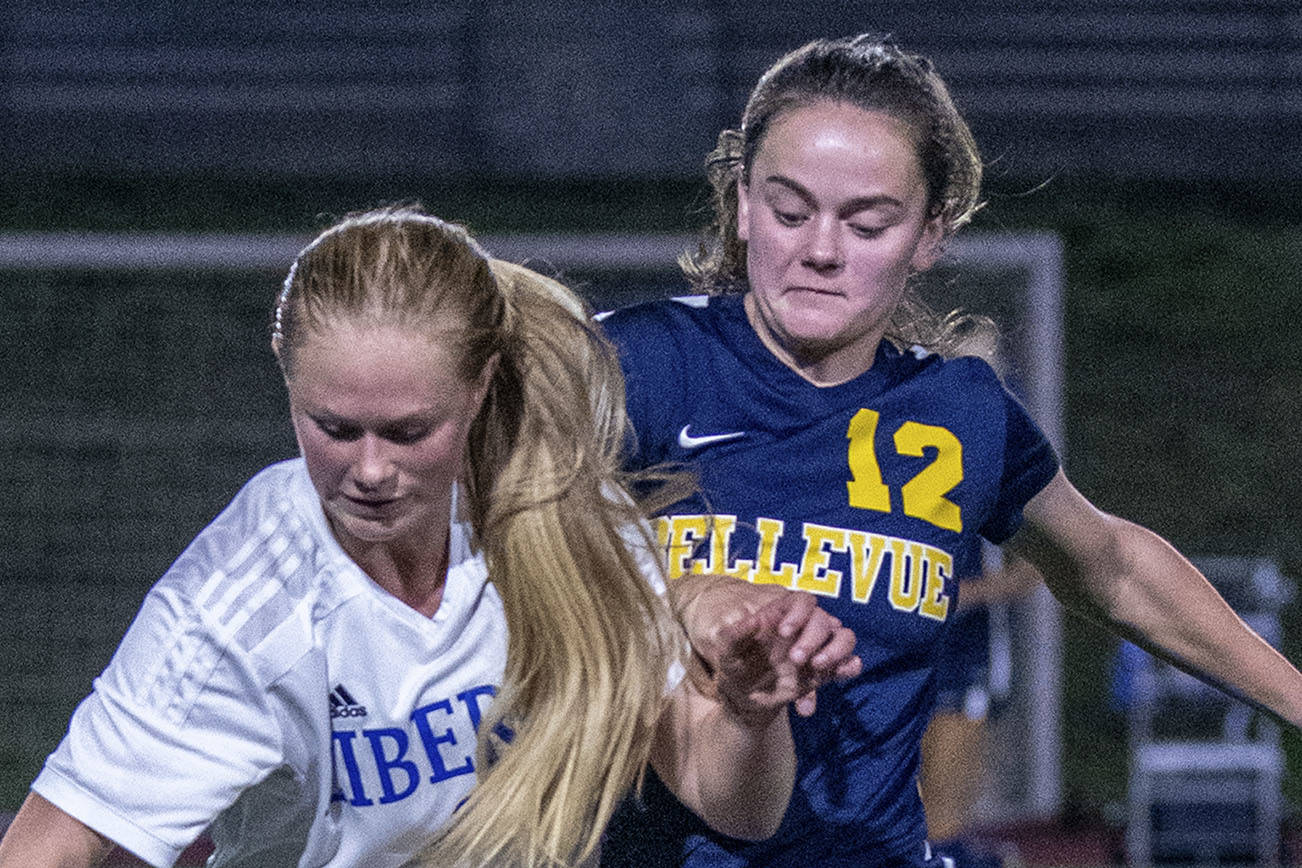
(366, 528)
(821, 319)
(814, 336)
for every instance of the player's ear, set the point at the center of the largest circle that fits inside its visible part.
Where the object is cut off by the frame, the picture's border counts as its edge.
(484, 379)
(278, 350)
(930, 245)
(743, 211)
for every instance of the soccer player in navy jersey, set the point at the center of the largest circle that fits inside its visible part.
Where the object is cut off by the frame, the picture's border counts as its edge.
(846, 446)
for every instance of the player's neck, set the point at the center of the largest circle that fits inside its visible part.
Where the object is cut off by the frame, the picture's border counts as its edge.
(415, 571)
(821, 366)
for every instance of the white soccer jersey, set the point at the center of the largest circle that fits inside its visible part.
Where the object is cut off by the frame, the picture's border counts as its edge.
(269, 688)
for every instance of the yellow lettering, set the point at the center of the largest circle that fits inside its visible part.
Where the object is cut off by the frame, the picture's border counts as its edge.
(767, 570)
(935, 603)
(918, 572)
(820, 542)
(721, 528)
(866, 552)
(685, 533)
(906, 584)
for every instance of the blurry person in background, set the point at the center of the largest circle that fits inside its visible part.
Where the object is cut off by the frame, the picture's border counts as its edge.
(972, 676)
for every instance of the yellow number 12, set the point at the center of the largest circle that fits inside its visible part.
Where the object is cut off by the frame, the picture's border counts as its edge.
(923, 496)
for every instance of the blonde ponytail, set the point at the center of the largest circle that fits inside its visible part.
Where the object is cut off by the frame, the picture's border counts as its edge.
(590, 640)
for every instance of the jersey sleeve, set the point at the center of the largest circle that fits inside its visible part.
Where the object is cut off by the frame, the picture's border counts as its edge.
(1029, 463)
(640, 540)
(175, 729)
(653, 361)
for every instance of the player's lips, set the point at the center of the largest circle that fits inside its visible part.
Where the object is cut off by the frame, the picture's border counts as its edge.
(816, 290)
(370, 504)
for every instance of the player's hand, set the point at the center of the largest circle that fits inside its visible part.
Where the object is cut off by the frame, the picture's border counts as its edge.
(761, 646)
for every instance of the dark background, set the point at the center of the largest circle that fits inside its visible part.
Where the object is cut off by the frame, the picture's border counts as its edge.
(1159, 139)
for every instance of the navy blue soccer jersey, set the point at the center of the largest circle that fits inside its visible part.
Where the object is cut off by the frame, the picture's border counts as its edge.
(873, 495)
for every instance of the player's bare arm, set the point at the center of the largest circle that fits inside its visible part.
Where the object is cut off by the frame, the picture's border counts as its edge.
(724, 745)
(1128, 577)
(43, 836)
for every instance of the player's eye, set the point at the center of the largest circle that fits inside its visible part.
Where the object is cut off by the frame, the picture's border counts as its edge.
(335, 430)
(405, 435)
(866, 231)
(790, 218)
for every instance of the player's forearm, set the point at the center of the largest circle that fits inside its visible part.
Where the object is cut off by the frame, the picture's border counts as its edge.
(733, 760)
(1132, 580)
(743, 771)
(43, 836)
(1115, 571)
(1160, 601)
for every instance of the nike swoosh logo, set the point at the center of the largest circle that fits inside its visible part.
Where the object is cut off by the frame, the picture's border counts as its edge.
(687, 441)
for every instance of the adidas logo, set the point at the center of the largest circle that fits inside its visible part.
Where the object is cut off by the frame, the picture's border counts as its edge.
(342, 704)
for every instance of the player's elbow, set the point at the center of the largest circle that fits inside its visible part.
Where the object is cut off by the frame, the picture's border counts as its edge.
(756, 812)
(748, 826)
